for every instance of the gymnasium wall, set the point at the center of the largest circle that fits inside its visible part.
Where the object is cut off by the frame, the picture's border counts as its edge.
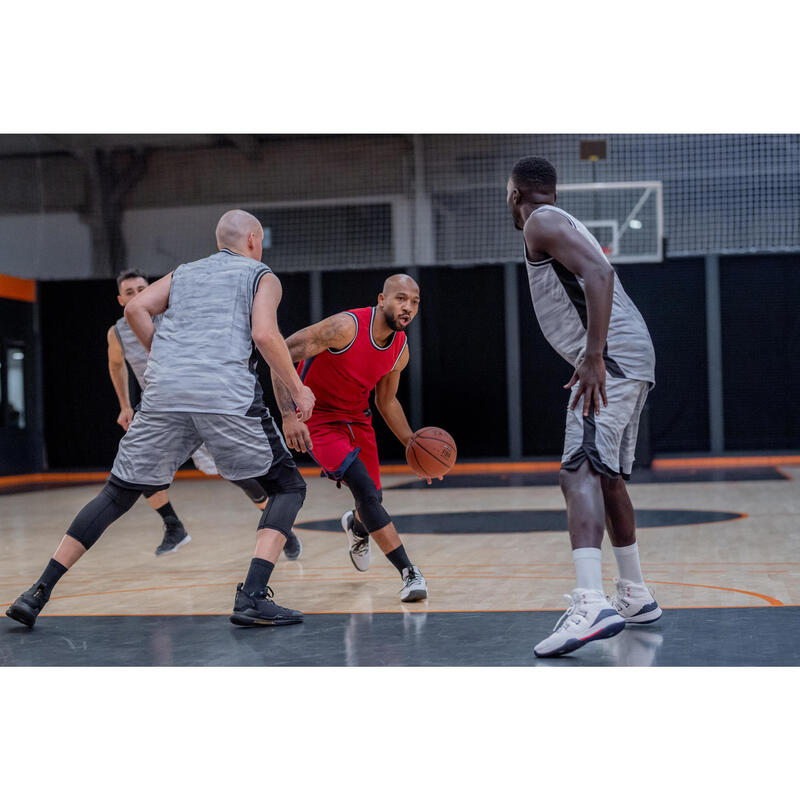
(461, 322)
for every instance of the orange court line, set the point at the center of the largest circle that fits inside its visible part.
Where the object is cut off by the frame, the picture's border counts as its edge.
(17, 289)
(302, 579)
(771, 600)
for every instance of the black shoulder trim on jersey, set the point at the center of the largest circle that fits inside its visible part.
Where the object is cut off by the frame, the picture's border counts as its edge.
(402, 350)
(116, 333)
(371, 320)
(355, 336)
(530, 261)
(257, 279)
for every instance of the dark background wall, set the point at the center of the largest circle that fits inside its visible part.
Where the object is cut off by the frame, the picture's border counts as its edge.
(21, 449)
(462, 321)
(760, 298)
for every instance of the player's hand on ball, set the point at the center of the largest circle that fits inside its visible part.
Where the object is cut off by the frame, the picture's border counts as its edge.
(125, 418)
(429, 480)
(296, 434)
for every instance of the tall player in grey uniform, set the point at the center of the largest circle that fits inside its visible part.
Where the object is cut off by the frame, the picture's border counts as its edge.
(591, 322)
(123, 346)
(201, 386)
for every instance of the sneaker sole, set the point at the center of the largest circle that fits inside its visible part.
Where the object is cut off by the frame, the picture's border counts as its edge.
(645, 619)
(180, 544)
(416, 594)
(347, 531)
(256, 622)
(360, 569)
(573, 644)
(19, 615)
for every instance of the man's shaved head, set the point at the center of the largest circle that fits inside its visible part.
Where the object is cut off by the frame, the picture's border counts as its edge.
(399, 282)
(399, 301)
(234, 229)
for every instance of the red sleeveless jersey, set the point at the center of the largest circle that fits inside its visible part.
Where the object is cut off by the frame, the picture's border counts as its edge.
(343, 379)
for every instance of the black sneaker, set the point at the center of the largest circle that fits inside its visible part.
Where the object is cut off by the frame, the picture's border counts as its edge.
(27, 606)
(175, 536)
(293, 546)
(259, 609)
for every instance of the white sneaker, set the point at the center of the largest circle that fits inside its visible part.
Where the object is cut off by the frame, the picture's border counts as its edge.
(589, 617)
(635, 602)
(359, 545)
(414, 586)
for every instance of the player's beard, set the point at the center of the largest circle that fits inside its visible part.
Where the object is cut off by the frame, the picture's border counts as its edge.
(392, 322)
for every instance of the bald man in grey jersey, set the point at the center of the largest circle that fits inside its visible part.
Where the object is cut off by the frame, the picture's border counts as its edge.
(125, 348)
(201, 386)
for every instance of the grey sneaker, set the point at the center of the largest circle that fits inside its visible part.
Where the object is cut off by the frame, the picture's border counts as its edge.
(359, 545)
(414, 586)
(293, 547)
(175, 536)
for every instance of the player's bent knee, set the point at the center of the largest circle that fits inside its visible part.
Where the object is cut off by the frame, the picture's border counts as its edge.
(112, 502)
(281, 511)
(367, 496)
(252, 488)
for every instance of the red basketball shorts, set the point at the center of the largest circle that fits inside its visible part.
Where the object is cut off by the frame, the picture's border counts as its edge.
(337, 444)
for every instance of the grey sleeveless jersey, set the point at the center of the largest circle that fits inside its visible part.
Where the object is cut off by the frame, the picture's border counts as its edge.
(201, 355)
(560, 305)
(132, 349)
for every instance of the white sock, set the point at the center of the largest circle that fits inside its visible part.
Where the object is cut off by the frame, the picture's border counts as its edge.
(589, 568)
(628, 563)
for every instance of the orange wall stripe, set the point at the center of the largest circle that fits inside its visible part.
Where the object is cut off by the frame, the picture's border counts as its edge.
(480, 468)
(17, 288)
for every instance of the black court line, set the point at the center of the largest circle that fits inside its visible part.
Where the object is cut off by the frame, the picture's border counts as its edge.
(684, 637)
(524, 521)
(488, 481)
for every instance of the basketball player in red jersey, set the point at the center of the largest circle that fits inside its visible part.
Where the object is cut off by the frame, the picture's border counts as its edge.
(342, 359)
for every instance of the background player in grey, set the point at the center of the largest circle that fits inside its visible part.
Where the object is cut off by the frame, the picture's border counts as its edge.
(123, 346)
(590, 321)
(201, 386)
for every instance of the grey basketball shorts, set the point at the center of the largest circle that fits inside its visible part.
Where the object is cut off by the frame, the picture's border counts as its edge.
(608, 439)
(157, 443)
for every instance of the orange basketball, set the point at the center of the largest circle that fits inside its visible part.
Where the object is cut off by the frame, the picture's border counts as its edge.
(431, 452)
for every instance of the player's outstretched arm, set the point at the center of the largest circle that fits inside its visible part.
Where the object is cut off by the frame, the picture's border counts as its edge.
(387, 403)
(553, 235)
(150, 303)
(272, 346)
(119, 378)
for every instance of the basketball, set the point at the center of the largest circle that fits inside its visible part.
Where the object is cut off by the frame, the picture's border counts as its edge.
(431, 452)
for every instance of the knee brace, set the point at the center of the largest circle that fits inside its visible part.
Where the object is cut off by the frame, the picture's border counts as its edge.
(112, 502)
(253, 489)
(367, 496)
(281, 511)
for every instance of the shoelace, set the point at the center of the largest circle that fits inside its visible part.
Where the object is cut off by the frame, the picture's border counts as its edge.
(566, 614)
(564, 620)
(361, 545)
(412, 575)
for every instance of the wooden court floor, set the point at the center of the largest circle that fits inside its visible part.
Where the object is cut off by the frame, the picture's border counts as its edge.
(751, 560)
